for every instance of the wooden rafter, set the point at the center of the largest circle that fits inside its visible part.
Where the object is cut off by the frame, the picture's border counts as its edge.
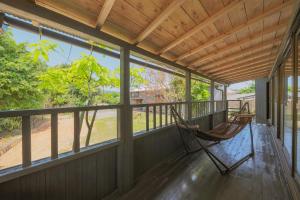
(239, 43)
(245, 78)
(159, 19)
(105, 10)
(243, 65)
(200, 26)
(221, 37)
(246, 66)
(261, 55)
(244, 55)
(246, 71)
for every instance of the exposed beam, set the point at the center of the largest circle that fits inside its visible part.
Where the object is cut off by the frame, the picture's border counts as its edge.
(238, 28)
(159, 19)
(239, 43)
(105, 10)
(200, 26)
(259, 47)
(243, 60)
(247, 71)
(245, 78)
(241, 65)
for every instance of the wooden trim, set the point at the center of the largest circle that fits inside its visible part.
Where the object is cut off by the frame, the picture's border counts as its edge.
(236, 29)
(242, 42)
(105, 10)
(200, 26)
(175, 4)
(76, 142)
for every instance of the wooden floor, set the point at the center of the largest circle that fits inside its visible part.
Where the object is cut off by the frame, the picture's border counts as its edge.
(195, 177)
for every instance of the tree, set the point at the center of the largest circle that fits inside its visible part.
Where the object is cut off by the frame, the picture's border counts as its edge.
(248, 89)
(199, 90)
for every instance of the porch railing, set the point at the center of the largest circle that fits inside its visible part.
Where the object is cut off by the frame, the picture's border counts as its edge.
(145, 118)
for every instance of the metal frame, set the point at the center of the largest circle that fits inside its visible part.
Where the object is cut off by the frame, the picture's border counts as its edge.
(221, 166)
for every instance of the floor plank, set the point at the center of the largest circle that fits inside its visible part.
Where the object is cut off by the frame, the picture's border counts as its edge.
(195, 177)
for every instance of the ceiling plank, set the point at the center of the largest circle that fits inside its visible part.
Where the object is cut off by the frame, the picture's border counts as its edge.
(200, 26)
(246, 71)
(105, 10)
(221, 37)
(242, 67)
(175, 4)
(246, 77)
(264, 54)
(239, 56)
(241, 42)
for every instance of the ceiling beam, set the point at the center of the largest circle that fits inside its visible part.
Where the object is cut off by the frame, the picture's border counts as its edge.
(238, 28)
(175, 4)
(105, 10)
(247, 55)
(241, 67)
(248, 71)
(246, 78)
(239, 43)
(243, 60)
(200, 26)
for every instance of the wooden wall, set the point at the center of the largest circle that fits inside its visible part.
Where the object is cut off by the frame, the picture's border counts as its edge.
(91, 177)
(261, 97)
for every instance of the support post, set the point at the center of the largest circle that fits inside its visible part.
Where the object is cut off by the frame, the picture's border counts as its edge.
(225, 103)
(294, 104)
(188, 96)
(125, 150)
(212, 102)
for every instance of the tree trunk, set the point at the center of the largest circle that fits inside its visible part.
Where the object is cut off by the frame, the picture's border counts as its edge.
(90, 127)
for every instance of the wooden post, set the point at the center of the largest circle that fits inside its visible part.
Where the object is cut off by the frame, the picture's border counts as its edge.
(125, 135)
(273, 100)
(54, 136)
(279, 102)
(26, 141)
(188, 97)
(226, 102)
(295, 100)
(76, 143)
(212, 102)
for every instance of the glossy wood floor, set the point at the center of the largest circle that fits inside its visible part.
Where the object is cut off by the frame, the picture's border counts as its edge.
(195, 177)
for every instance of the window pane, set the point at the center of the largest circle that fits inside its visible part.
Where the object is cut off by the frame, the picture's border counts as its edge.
(287, 102)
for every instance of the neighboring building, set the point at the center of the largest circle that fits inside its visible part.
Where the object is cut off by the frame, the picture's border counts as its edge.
(147, 95)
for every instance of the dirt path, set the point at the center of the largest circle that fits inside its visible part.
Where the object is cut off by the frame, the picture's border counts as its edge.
(41, 141)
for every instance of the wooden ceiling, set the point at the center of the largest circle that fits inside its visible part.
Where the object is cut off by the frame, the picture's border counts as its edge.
(227, 40)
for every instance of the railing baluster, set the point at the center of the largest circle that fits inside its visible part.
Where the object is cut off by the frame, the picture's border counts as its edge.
(154, 117)
(76, 142)
(160, 115)
(26, 141)
(171, 116)
(166, 115)
(147, 117)
(180, 109)
(54, 136)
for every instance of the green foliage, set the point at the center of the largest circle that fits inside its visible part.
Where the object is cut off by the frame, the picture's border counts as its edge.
(41, 49)
(199, 91)
(177, 89)
(248, 89)
(18, 75)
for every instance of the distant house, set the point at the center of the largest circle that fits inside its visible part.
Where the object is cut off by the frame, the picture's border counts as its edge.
(147, 95)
